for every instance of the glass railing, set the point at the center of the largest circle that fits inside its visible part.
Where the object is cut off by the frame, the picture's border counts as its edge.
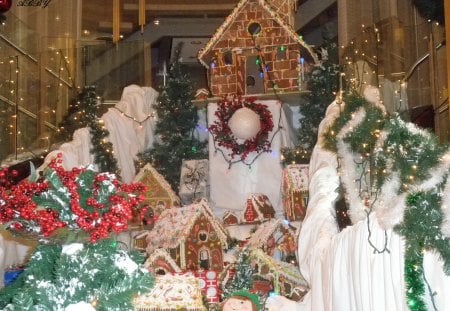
(408, 63)
(36, 88)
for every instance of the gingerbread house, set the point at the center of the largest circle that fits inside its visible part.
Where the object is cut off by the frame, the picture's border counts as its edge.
(172, 292)
(256, 50)
(276, 239)
(159, 195)
(257, 209)
(295, 183)
(160, 263)
(229, 218)
(191, 235)
(286, 278)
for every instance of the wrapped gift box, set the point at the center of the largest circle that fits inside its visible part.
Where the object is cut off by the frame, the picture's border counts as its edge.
(194, 181)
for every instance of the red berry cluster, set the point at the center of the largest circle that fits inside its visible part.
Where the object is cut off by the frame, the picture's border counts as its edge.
(98, 204)
(224, 137)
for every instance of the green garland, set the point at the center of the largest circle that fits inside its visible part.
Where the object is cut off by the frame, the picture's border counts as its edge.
(83, 112)
(99, 274)
(410, 153)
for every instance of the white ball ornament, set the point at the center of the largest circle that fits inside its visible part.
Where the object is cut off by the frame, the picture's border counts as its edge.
(244, 123)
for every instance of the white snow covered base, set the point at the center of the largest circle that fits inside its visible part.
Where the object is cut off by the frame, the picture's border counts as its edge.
(342, 269)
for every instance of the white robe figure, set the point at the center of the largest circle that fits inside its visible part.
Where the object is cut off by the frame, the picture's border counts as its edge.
(130, 125)
(343, 272)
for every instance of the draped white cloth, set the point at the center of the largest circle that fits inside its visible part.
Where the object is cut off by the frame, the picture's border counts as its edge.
(342, 269)
(130, 125)
(231, 186)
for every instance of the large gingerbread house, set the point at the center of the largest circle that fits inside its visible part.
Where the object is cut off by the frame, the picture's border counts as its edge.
(256, 50)
(192, 235)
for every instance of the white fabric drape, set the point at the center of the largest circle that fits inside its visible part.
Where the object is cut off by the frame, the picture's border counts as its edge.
(130, 127)
(342, 269)
(231, 186)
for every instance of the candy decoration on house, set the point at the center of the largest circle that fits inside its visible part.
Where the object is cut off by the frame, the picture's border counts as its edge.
(160, 195)
(243, 126)
(294, 186)
(257, 209)
(241, 300)
(193, 234)
(171, 293)
(194, 181)
(209, 285)
(256, 50)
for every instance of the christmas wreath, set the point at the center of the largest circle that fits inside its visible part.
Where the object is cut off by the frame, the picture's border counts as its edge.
(69, 204)
(242, 126)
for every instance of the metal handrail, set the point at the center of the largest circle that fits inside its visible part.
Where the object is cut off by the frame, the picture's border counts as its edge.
(421, 60)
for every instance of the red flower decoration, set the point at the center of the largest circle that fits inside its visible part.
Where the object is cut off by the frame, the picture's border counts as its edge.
(79, 200)
(224, 137)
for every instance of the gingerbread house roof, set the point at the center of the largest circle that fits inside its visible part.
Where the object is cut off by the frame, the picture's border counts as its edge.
(203, 53)
(264, 231)
(287, 270)
(148, 174)
(261, 204)
(174, 226)
(162, 254)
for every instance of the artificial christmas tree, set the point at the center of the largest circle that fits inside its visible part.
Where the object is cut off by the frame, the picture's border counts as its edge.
(75, 268)
(177, 121)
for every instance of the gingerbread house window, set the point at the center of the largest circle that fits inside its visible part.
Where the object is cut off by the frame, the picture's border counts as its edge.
(203, 236)
(254, 28)
(281, 53)
(228, 58)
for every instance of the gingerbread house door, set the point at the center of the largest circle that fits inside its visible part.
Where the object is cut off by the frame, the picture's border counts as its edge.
(204, 258)
(249, 75)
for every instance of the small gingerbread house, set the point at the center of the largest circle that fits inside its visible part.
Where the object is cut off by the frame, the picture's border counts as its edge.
(286, 278)
(159, 195)
(192, 237)
(257, 209)
(160, 263)
(275, 238)
(229, 218)
(295, 183)
(256, 50)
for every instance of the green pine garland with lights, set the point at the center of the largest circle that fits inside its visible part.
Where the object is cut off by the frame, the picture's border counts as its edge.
(83, 113)
(322, 84)
(176, 126)
(411, 153)
(101, 275)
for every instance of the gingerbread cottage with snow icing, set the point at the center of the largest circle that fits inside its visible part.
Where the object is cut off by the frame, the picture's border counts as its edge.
(256, 50)
(192, 236)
